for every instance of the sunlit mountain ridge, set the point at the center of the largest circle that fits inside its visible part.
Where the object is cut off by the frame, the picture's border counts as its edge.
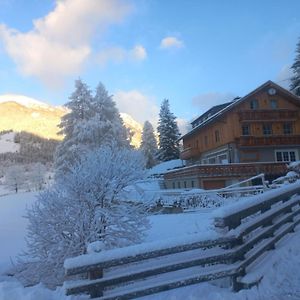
(22, 113)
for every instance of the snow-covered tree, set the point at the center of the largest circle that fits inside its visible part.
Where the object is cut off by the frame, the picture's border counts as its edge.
(84, 206)
(36, 176)
(168, 133)
(149, 145)
(79, 106)
(95, 122)
(295, 80)
(15, 177)
(67, 152)
(106, 125)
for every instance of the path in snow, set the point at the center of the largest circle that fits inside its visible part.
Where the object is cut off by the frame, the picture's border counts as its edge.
(13, 226)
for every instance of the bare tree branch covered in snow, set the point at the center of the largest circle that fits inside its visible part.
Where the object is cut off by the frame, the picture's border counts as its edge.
(80, 208)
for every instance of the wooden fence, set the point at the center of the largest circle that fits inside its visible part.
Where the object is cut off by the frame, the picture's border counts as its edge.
(248, 231)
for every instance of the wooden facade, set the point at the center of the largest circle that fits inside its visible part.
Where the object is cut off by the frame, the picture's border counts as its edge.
(262, 127)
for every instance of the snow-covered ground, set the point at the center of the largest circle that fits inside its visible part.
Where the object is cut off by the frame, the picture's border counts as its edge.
(13, 226)
(281, 277)
(7, 143)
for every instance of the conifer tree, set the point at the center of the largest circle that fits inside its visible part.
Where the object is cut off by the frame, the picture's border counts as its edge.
(168, 133)
(295, 80)
(79, 106)
(149, 145)
(92, 122)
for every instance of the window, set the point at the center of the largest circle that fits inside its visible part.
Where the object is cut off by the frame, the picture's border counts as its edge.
(217, 136)
(254, 104)
(286, 155)
(287, 128)
(245, 130)
(178, 184)
(212, 160)
(206, 140)
(223, 159)
(192, 183)
(173, 184)
(267, 129)
(273, 104)
(292, 155)
(184, 183)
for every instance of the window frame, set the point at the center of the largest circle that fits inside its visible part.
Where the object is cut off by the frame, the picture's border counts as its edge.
(287, 152)
(254, 104)
(217, 136)
(269, 127)
(273, 101)
(244, 126)
(287, 132)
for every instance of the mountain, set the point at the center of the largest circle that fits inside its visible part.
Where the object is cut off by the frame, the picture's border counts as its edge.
(135, 127)
(21, 113)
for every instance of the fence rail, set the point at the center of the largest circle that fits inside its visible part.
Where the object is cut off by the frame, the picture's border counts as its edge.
(247, 233)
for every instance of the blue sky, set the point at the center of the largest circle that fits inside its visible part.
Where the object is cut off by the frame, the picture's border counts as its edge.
(195, 53)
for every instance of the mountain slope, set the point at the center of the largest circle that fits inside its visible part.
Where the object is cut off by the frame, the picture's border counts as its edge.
(135, 127)
(21, 113)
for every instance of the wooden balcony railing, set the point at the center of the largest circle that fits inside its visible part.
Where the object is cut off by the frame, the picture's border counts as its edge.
(229, 170)
(189, 153)
(277, 140)
(268, 115)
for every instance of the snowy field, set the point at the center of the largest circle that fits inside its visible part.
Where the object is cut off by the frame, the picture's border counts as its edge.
(13, 225)
(281, 278)
(7, 143)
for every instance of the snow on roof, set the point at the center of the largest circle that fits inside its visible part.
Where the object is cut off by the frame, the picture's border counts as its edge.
(166, 166)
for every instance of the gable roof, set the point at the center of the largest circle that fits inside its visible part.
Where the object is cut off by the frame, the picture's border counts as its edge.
(230, 105)
(212, 111)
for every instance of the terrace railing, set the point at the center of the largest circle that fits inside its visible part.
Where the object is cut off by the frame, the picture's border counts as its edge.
(245, 232)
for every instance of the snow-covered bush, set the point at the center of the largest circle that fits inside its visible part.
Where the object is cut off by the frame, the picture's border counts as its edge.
(295, 166)
(292, 175)
(80, 208)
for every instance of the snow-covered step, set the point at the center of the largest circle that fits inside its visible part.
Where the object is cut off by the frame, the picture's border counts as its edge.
(168, 281)
(266, 217)
(151, 267)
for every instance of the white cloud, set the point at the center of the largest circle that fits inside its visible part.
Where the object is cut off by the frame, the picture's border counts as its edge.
(207, 100)
(183, 125)
(283, 78)
(60, 43)
(119, 54)
(138, 53)
(140, 106)
(171, 42)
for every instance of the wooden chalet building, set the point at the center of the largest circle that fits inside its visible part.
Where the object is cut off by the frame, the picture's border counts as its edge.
(258, 133)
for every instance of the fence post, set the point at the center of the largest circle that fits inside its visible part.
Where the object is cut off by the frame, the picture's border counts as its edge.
(95, 274)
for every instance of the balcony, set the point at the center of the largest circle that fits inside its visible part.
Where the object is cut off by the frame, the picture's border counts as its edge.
(268, 115)
(237, 170)
(189, 153)
(273, 140)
